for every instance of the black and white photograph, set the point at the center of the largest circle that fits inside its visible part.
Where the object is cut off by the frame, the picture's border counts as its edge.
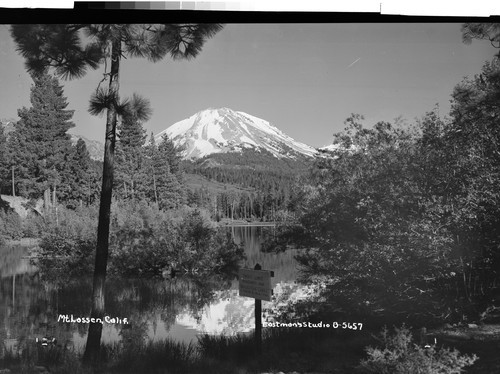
(304, 197)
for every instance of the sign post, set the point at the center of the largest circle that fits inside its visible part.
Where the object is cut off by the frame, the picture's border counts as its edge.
(258, 320)
(256, 283)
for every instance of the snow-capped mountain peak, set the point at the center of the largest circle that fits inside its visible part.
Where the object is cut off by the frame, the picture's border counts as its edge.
(220, 130)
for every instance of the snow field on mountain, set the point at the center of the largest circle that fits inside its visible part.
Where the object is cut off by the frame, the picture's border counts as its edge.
(224, 130)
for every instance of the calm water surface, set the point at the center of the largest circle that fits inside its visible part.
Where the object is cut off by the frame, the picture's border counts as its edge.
(179, 309)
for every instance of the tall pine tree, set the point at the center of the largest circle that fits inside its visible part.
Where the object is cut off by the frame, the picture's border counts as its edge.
(131, 164)
(169, 178)
(40, 143)
(151, 153)
(79, 177)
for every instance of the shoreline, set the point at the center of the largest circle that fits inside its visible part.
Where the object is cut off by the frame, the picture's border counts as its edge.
(245, 223)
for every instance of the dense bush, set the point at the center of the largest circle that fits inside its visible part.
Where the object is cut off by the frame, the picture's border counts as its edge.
(68, 239)
(80, 223)
(139, 244)
(151, 241)
(65, 255)
(34, 226)
(399, 355)
(144, 241)
(10, 225)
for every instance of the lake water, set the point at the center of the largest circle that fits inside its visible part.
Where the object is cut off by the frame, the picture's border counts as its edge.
(179, 309)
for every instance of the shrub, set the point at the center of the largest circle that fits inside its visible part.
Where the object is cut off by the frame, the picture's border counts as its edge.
(30, 357)
(401, 356)
(62, 256)
(203, 248)
(34, 226)
(142, 251)
(149, 241)
(80, 223)
(144, 241)
(222, 347)
(10, 225)
(165, 356)
(67, 245)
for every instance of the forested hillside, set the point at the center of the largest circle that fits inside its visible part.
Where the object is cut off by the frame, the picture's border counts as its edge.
(269, 182)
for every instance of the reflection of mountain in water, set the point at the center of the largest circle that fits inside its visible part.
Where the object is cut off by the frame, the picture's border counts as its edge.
(234, 314)
(228, 316)
(229, 313)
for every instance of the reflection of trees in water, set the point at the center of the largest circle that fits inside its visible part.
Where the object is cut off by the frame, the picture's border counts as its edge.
(38, 303)
(28, 310)
(206, 291)
(11, 259)
(144, 300)
(283, 264)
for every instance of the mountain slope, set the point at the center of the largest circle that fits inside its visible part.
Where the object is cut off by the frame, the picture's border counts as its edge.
(224, 130)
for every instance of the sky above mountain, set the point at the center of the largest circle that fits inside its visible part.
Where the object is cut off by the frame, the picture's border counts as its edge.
(305, 79)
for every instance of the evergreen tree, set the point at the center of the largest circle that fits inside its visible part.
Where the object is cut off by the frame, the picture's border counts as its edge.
(151, 153)
(80, 177)
(131, 162)
(168, 175)
(40, 143)
(172, 154)
(4, 168)
(170, 194)
(482, 31)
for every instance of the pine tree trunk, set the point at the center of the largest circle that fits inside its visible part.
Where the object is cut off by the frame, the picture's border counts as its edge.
(54, 205)
(88, 194)
(46, 200)
(13, 184)
(154, 187)
(54, 197)
(92, 347)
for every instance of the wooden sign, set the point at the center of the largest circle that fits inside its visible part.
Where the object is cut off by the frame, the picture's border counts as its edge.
(255, 284)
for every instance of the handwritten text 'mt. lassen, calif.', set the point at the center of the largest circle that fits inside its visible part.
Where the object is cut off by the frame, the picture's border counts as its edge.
(69, 318)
